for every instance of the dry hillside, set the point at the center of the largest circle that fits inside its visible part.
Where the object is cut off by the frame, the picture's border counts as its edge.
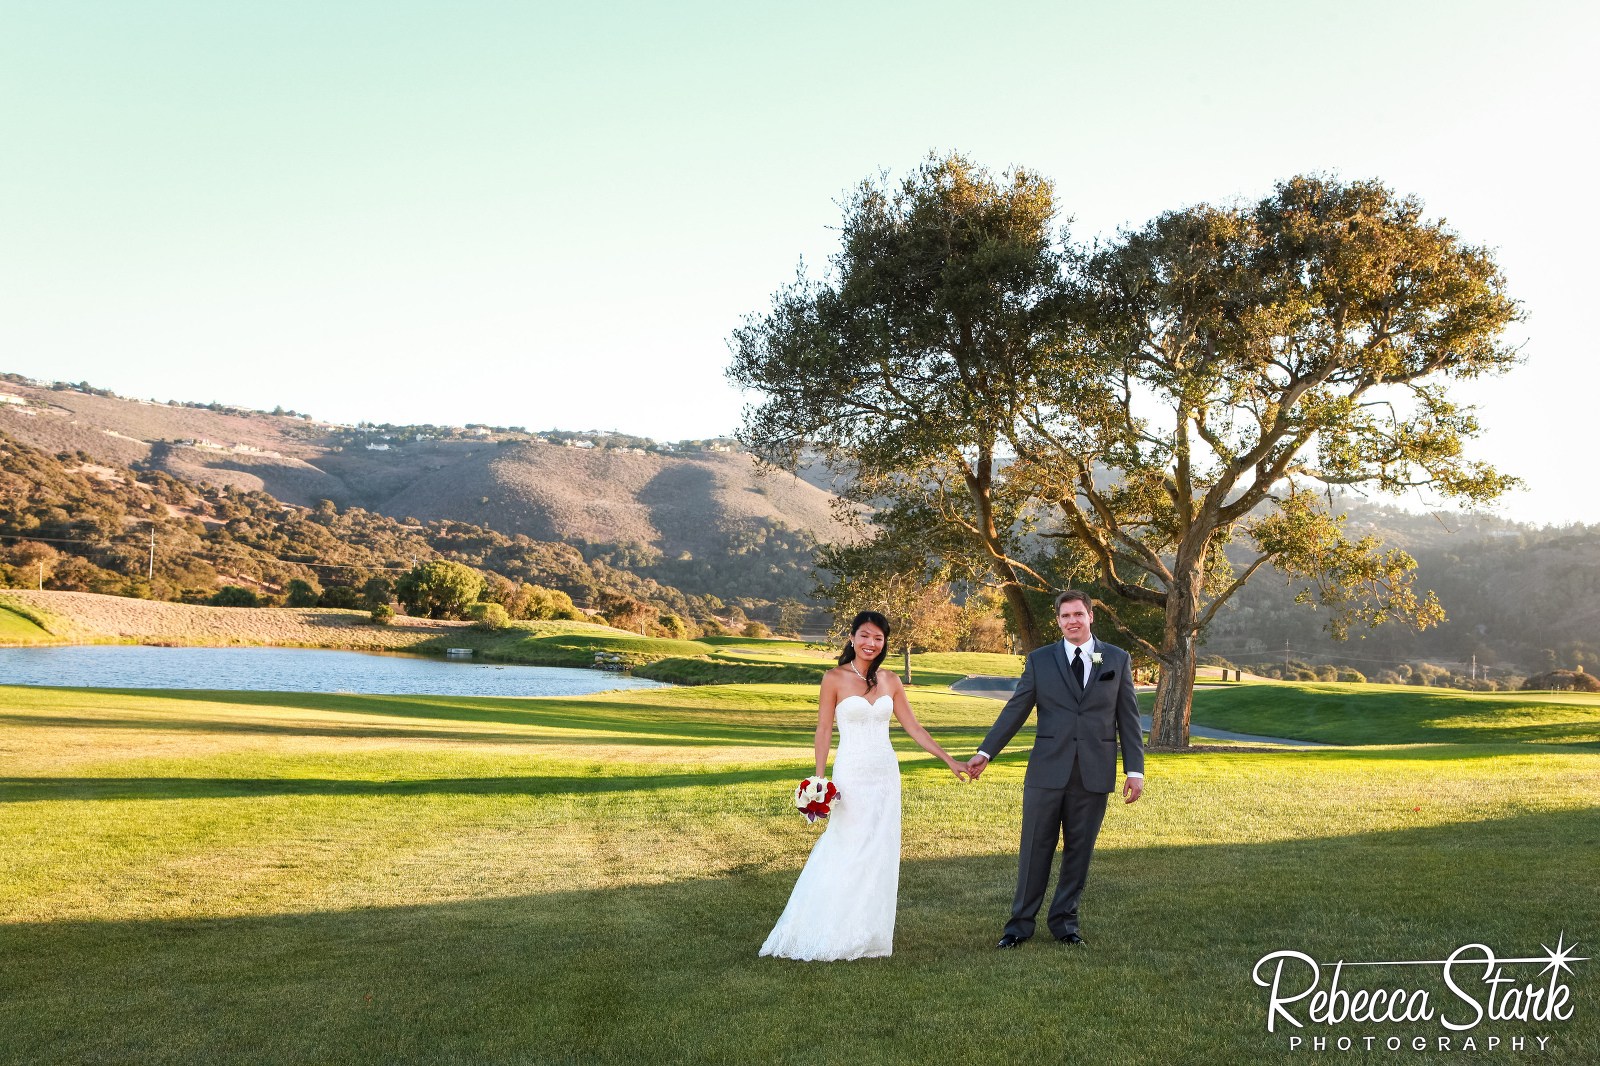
(511, 484)
(553, 493)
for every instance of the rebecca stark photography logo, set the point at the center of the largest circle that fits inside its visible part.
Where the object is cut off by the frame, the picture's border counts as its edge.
(1474, 986)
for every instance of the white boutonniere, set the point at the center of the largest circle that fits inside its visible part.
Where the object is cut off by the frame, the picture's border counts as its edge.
(1096, 658)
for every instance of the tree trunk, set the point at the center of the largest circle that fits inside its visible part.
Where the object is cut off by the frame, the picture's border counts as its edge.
(1169, 727)
(1027, 626)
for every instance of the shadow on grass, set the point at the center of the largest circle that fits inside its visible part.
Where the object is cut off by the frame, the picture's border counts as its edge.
(1395, 714)
(32, 789)
(597, 715)
(587, 721)
(668, 973)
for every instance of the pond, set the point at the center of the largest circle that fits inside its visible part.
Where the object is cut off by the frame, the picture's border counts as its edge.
(296, 670)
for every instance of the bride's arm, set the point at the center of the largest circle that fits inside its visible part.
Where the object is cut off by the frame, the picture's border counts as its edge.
(913, 728)
(825, 704)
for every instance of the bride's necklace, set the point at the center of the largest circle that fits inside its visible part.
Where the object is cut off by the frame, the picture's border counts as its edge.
(858, 673)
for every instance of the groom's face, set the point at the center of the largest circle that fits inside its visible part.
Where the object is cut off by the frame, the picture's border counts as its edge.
(1075, 618)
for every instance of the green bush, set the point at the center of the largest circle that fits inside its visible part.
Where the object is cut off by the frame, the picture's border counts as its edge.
(340, 597)
(378, 590)
(488, 616)
(757, 629)
(233, 596)
(382, 614)
(303, 594)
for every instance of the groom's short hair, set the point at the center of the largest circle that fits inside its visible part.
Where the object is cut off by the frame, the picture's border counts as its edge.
(1073, 594)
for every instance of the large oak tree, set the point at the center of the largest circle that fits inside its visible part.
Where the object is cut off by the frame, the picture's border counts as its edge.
(1190, 386)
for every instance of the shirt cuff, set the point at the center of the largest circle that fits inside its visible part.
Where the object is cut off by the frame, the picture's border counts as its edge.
(985, 754)
(1133, 773)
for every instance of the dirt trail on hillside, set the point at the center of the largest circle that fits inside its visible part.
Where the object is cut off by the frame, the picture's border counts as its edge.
(150, 621)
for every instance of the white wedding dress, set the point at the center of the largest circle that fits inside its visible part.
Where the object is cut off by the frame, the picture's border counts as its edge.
(843, 905)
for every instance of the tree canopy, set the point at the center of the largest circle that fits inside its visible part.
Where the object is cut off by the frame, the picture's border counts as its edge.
(1141, 405)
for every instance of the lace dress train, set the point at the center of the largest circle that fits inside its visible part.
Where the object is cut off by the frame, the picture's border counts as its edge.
(843, 905)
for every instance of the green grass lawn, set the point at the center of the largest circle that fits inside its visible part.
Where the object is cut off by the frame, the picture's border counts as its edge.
(300, 878)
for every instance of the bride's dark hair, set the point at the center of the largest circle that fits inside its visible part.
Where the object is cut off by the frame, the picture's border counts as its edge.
(849, 653)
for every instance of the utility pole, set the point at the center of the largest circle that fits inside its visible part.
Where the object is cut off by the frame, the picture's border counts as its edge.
(41, 576)
(908, 662)
(150, 575)
(1474, 666)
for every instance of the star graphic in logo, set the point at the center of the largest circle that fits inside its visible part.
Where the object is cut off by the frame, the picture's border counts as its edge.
(1561, 956)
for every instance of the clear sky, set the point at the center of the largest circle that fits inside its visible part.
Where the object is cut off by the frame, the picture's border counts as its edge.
(553, 215)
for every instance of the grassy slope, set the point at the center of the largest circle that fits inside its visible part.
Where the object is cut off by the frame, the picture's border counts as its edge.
(18, 629)
(1393, 714)
(289, 878)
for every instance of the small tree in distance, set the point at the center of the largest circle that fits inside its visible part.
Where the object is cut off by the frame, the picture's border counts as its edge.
(234, 596)
(302, 593)
(439, 589)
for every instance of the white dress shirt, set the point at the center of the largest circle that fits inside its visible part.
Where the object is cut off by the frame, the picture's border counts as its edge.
(1086, 664)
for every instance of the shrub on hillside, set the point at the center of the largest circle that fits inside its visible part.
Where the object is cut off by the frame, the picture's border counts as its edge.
(672, 627)
(488, 616)
(1348, 674)
(1562, 681)
(756, 630)
(233, 596)
(625, 612)
(382, 614)
(1388, 677)
(339, 597)
(1327, 673)
(544, 605)
(302, 594)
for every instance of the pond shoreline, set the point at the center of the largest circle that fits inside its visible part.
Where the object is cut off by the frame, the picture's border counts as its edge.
(130, 666)
(87, 618)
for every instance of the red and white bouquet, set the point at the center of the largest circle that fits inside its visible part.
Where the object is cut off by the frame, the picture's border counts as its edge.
(814, 798)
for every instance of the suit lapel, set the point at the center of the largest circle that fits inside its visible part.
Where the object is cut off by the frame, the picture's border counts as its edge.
(1060, 659)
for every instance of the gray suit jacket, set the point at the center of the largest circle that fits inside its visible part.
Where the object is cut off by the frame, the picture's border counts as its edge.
(1074, 723)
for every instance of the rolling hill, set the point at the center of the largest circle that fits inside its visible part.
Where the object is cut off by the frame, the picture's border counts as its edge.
(511, 482)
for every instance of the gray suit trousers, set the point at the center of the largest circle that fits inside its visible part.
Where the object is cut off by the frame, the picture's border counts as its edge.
(1049, 815)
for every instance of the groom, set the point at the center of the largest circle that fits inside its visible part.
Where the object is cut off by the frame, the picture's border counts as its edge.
(1084, 692)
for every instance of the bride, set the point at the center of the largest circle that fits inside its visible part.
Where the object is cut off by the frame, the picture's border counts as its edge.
(843, 905)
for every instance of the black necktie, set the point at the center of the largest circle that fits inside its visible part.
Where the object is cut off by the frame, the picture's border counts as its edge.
(1077, 667)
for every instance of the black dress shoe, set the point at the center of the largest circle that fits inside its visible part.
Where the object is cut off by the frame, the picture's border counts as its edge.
(1009, 941)
(1072, 938)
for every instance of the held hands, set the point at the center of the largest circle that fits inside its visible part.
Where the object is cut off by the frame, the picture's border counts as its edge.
(975, 765)
(962, 772)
